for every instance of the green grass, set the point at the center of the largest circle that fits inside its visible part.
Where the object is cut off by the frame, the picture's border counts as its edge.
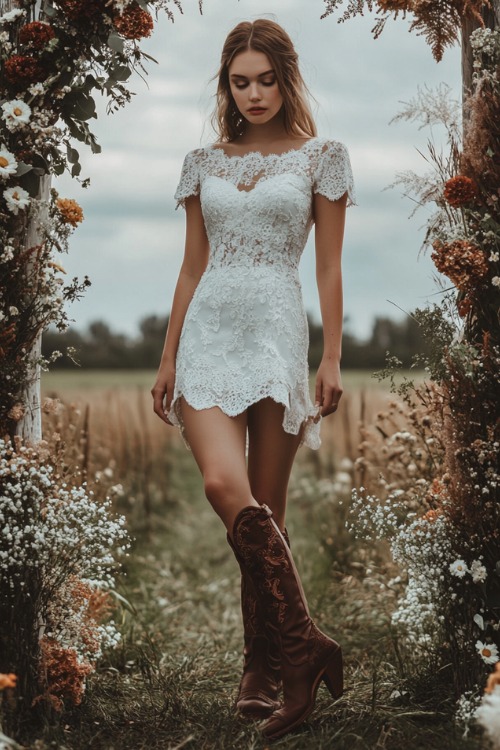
(172, 682)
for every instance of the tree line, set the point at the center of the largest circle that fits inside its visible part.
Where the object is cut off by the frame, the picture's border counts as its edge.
(99, 347)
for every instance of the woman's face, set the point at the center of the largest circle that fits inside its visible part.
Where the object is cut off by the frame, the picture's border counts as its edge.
(254, 87)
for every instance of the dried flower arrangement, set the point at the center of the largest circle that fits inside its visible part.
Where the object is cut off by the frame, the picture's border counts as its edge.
(432, 487)
(51, 62)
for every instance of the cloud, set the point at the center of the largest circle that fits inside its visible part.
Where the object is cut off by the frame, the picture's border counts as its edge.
(131, 242)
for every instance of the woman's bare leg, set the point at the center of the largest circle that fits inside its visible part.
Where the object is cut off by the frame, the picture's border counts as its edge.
(271, 453)
(218, 445)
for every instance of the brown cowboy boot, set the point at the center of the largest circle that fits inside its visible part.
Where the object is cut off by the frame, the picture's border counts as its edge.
(307, 655)
(260, 682)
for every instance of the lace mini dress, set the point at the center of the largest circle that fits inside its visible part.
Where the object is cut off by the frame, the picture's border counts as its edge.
(245, 335)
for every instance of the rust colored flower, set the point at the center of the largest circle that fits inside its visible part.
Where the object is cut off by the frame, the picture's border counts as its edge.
(22, 70)
(493, 680)
(464, 263)
(464, 306)
(64, 676)
(70, 211)
(36, 34)
(459, 190)
(134, 22)
(83, 11)
(7, 680)
(431, 515)
(392, 5)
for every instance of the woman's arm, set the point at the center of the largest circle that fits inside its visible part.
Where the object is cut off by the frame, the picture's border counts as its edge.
(195, 261)
(329, 217)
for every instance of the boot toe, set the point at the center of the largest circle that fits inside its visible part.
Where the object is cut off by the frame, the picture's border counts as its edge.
(256, 707)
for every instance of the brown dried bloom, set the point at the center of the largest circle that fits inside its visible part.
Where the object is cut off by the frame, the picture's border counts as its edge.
(134, 22)
(464, 306)
(463, 263)
(37, 34)
(83, 11)
(395, 5)
(22, 70)
(459, 190)
(64, 674)
(16, 412)
(70, 211)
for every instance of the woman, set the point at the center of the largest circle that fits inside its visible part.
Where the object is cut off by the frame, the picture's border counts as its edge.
(233, 374)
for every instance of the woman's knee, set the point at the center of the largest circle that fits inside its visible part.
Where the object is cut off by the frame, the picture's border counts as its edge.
(222, 486)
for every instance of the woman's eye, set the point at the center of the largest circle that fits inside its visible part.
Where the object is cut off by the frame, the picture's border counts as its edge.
(268, 83)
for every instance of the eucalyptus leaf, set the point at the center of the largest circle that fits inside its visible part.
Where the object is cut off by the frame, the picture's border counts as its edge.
(116, 43)
(30, 182)
(478, 619)
(120, 73)
(72, 154)
(83, 108)
(22, 168)
(76, 169)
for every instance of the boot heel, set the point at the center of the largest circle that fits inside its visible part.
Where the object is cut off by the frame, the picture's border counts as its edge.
(333, 676)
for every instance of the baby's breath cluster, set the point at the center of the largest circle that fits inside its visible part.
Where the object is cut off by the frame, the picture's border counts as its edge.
(59, 555)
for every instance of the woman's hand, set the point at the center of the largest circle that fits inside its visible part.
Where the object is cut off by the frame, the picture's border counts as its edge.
(328, 386)
(163, 391)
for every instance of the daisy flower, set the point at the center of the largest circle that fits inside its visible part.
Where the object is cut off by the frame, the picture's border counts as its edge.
(459, 568)
(16, 198)
(488, 652)
(15, 113)
(8, 164)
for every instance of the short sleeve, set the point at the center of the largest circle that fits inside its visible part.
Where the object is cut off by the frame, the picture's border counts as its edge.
(333, 176)
(189, 183)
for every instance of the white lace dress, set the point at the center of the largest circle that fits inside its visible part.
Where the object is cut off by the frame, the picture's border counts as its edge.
(245, 335)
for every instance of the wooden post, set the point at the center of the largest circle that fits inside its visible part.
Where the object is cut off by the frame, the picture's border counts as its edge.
(30, 426)
(491, 18)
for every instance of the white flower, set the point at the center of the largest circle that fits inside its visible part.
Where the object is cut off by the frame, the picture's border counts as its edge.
(16, 113)
(36, 89)
(494, 257)
(488, 715)
(8, 164)
(488, 652)
(13, 310)
(495, 280)
(12, 15)
(478, 571)
(16, 198)
(459, 568)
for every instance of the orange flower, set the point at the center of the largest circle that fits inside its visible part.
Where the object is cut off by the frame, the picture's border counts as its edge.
(431, 515)
(459, 190)
(494, 679)
(7, 680)
(37, 34)
(464, 263)
(63, 674)
(134, 22)
(70, 211)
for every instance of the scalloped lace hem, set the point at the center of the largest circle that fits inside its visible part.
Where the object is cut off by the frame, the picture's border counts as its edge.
(292, 421)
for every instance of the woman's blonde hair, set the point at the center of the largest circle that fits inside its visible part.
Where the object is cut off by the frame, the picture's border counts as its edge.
(268, 37)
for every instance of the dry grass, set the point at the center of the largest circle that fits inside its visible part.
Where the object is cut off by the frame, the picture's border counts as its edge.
(172, 682)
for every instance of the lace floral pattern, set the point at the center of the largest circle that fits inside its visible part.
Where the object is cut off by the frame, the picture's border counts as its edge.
(245, 334)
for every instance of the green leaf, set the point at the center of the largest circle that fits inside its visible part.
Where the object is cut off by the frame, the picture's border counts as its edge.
(72, 154)
(22, 168)
(115, 43)
(30, 182)
(58, 168)
(76, 169)
(83, 108)
(120, 73)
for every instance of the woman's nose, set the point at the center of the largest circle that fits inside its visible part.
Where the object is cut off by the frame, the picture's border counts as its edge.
(254, 92)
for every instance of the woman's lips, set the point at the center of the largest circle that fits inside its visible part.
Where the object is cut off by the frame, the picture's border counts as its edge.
(257, 110)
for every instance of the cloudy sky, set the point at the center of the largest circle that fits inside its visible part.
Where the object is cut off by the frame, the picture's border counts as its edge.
(131, 242)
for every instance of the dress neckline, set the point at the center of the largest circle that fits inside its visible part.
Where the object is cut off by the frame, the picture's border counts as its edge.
(256, 152)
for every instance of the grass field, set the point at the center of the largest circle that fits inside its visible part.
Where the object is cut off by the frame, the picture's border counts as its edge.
(172, 682)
